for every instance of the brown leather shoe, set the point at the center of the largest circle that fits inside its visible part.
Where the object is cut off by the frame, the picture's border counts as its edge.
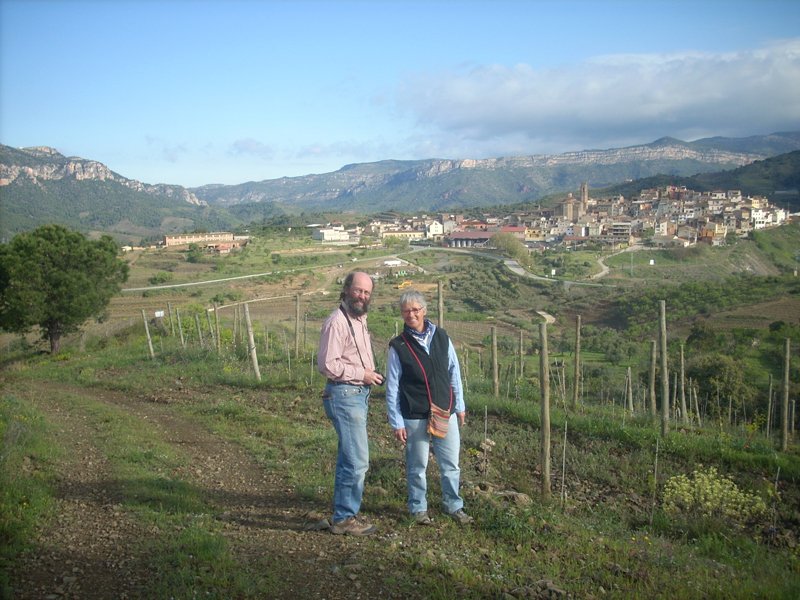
(352, 526)
(422, 518)
(461, 517)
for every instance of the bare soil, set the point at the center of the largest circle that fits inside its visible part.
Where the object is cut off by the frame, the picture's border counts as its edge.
(93, 548)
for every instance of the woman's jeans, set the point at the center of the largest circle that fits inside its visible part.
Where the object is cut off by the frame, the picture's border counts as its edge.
(346, 406)
(446, 452)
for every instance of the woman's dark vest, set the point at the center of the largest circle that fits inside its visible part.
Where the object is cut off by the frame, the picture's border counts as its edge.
(413, 393)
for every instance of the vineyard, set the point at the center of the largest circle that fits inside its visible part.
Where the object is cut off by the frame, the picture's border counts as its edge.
(210, 457)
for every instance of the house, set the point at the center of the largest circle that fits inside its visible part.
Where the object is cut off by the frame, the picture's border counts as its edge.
(434, 230)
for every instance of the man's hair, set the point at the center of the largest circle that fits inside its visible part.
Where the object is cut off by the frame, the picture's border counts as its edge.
(348, 283)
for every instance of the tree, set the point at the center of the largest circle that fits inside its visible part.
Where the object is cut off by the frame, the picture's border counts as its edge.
(509, 245)
(57, 279)
(719, 375)
(194, 254)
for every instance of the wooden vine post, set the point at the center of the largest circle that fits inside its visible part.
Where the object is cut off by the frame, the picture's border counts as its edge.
(251, 342)
(769, 408)
(216, 329)
(297, 326)
(544, 388)
(664, 371)
(576, 377)
(495, 369)
(199, 330)
(440, 299)
(682, 384)
(785, 400)
(629, 390)
(149, 339)
(652, 390)
(180, 326)
(235, 326)
(210, 328)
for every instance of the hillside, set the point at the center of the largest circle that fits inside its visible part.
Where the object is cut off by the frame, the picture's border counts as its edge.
(777, 178)
(437, 184)
(183, 475)
(40, 185)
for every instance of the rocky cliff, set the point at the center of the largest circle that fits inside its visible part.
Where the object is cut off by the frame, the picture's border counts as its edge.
(42, 163)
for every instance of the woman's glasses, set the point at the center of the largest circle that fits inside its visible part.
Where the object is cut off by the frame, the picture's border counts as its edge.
(411, 311)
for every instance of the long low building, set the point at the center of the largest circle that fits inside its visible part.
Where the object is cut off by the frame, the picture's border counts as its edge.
(184, 239)
(467, 239)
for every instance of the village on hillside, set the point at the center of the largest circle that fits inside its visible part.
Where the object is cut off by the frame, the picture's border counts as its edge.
(670, 216)
(666, 217)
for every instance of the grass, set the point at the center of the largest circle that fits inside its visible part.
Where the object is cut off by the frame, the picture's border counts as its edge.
(27, 462)
(185, 548)
(608, 536)
(601, 536)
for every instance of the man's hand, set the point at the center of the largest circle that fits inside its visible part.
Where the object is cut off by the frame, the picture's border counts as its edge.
(373, 378)
(462, 418)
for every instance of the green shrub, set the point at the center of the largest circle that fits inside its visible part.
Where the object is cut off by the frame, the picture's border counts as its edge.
(160, 277)
(709, 496)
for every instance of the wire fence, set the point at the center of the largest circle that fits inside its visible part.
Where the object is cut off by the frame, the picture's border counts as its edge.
(285, 333)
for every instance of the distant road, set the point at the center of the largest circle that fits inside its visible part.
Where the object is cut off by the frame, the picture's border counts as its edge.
(251, 276)
(510, 264)
(604, 270)
(515, 267)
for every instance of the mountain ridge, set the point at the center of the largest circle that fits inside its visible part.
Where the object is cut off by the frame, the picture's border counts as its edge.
(60, 166)
(450, 183)
(39, 185)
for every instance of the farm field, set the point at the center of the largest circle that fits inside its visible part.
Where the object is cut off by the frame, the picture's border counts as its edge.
(183, 476)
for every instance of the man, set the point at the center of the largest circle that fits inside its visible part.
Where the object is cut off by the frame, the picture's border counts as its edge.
(345, 358)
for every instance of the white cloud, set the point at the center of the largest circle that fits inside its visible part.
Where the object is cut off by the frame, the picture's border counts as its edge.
(251, 147)
(608, 101)
(170, 152)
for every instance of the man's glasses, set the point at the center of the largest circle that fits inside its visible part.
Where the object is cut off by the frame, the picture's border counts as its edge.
(411, 311)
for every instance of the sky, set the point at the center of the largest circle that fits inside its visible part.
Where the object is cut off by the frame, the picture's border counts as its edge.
(193, 92)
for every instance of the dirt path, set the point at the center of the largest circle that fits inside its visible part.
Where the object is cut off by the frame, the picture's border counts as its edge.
(92, 548)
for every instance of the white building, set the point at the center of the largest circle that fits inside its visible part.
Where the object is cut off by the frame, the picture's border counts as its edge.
(330, 235)
(434, 230)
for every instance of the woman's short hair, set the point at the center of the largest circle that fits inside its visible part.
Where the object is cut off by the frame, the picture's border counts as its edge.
(412, 297)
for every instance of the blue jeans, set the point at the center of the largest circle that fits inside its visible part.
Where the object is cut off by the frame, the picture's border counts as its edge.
(446, 451)
(346, 407)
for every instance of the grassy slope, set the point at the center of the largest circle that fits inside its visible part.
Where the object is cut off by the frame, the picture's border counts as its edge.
(601, 536)
(606, 538)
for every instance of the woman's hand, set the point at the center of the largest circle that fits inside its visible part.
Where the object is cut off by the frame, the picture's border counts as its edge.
(401, 436)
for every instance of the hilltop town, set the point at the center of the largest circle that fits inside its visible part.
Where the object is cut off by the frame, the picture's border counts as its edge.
(669, 216)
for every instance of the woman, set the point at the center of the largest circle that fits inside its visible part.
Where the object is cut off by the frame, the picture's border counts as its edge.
(423, 371)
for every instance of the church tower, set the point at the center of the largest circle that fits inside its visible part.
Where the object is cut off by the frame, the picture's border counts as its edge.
(584, 206)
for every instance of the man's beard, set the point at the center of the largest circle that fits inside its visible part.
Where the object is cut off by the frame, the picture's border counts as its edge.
(354, 309)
